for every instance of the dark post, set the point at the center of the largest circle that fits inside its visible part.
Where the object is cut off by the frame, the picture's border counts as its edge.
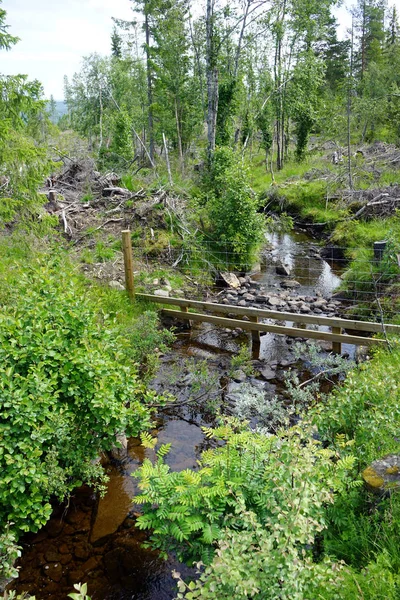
(379, 249)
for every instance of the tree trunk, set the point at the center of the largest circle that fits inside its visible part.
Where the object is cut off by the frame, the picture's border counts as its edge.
(199, 68)
(349, 91)
(149, 85)
(101, 119)
(280, 118)
(212, 81)
(178, 131)
(240, 41)
(363, 41)
(167, 160)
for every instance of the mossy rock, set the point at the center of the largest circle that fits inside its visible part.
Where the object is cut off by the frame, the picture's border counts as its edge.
(383, 475)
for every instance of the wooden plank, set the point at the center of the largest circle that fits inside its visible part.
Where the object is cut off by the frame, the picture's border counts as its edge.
(289, 331)
(271, 314)
(128, 263)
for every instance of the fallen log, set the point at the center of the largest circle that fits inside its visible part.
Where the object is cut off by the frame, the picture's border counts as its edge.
(116, 191)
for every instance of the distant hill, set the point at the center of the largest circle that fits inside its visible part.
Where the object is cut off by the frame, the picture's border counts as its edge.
(61, 108)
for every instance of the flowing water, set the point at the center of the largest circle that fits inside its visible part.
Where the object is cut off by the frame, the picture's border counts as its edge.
(94, 540)
(301, 255)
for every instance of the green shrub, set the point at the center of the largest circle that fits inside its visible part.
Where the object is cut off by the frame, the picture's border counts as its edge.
(366, 409)
(147, 340)
(68, 386)
(234, 223)
(79, 594)
(280, 482)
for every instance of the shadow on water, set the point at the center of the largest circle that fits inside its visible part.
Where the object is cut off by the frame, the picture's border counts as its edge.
(94, 539)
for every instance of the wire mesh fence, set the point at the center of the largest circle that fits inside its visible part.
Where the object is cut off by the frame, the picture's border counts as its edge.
(286, 275)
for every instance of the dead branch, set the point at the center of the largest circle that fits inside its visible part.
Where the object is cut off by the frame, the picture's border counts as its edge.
(67, 228)
(119, 191)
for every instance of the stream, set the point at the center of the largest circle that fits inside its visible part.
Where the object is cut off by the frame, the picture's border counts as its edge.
(94, 539)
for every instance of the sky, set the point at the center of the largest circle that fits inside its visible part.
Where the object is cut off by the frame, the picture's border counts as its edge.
(56, 34)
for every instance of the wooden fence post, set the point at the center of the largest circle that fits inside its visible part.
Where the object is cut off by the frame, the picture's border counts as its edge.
(337, 346)
(255, 335)
(128, 263)
(187, 323)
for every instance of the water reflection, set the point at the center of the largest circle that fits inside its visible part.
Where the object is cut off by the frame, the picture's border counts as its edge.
(298, 252)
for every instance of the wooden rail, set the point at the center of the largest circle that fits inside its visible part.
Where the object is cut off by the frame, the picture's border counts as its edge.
(336, 337)
(272, 314)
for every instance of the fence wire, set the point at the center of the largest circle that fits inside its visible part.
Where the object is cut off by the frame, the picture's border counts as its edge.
(365, 287)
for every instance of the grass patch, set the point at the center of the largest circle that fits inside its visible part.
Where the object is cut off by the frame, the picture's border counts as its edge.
(362, 234)
(261, 179)
(309, 200)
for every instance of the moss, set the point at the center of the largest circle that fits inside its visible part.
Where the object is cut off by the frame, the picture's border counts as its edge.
(392, 470)
(372, 479)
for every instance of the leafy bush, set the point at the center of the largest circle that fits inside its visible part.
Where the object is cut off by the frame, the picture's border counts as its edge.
(232, 209)
(68, 386)
(365, 409)
(23, 164)
(147, 340)
(242, 360)
(79, 594)
(9, 552)
(280, 483)
(280, 517)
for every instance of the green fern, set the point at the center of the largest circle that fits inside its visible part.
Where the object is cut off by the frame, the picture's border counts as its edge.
(163, 450)
(147, 440)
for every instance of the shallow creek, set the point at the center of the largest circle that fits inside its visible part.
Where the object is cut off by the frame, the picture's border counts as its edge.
(94, 540)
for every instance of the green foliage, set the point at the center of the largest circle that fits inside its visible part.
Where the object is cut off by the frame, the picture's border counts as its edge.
(304, 97)
(9, 552)
(362, 234)
(226, 109)
(103, 252)
(242, 361)
(252, 563)
(81, 589)
(147, 341)
(6, 39)
(360, 529)
(280, 223)
(80, 594)
(232, 208)
(270, 412)
(308, 199)
(23, 164)
(68, 386)
(280, 482)
(303, 129)
(121, 144)
(277, 515)
(373, 283)
(366, 409)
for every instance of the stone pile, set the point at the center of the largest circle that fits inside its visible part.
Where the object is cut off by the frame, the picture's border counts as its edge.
(251, 294)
